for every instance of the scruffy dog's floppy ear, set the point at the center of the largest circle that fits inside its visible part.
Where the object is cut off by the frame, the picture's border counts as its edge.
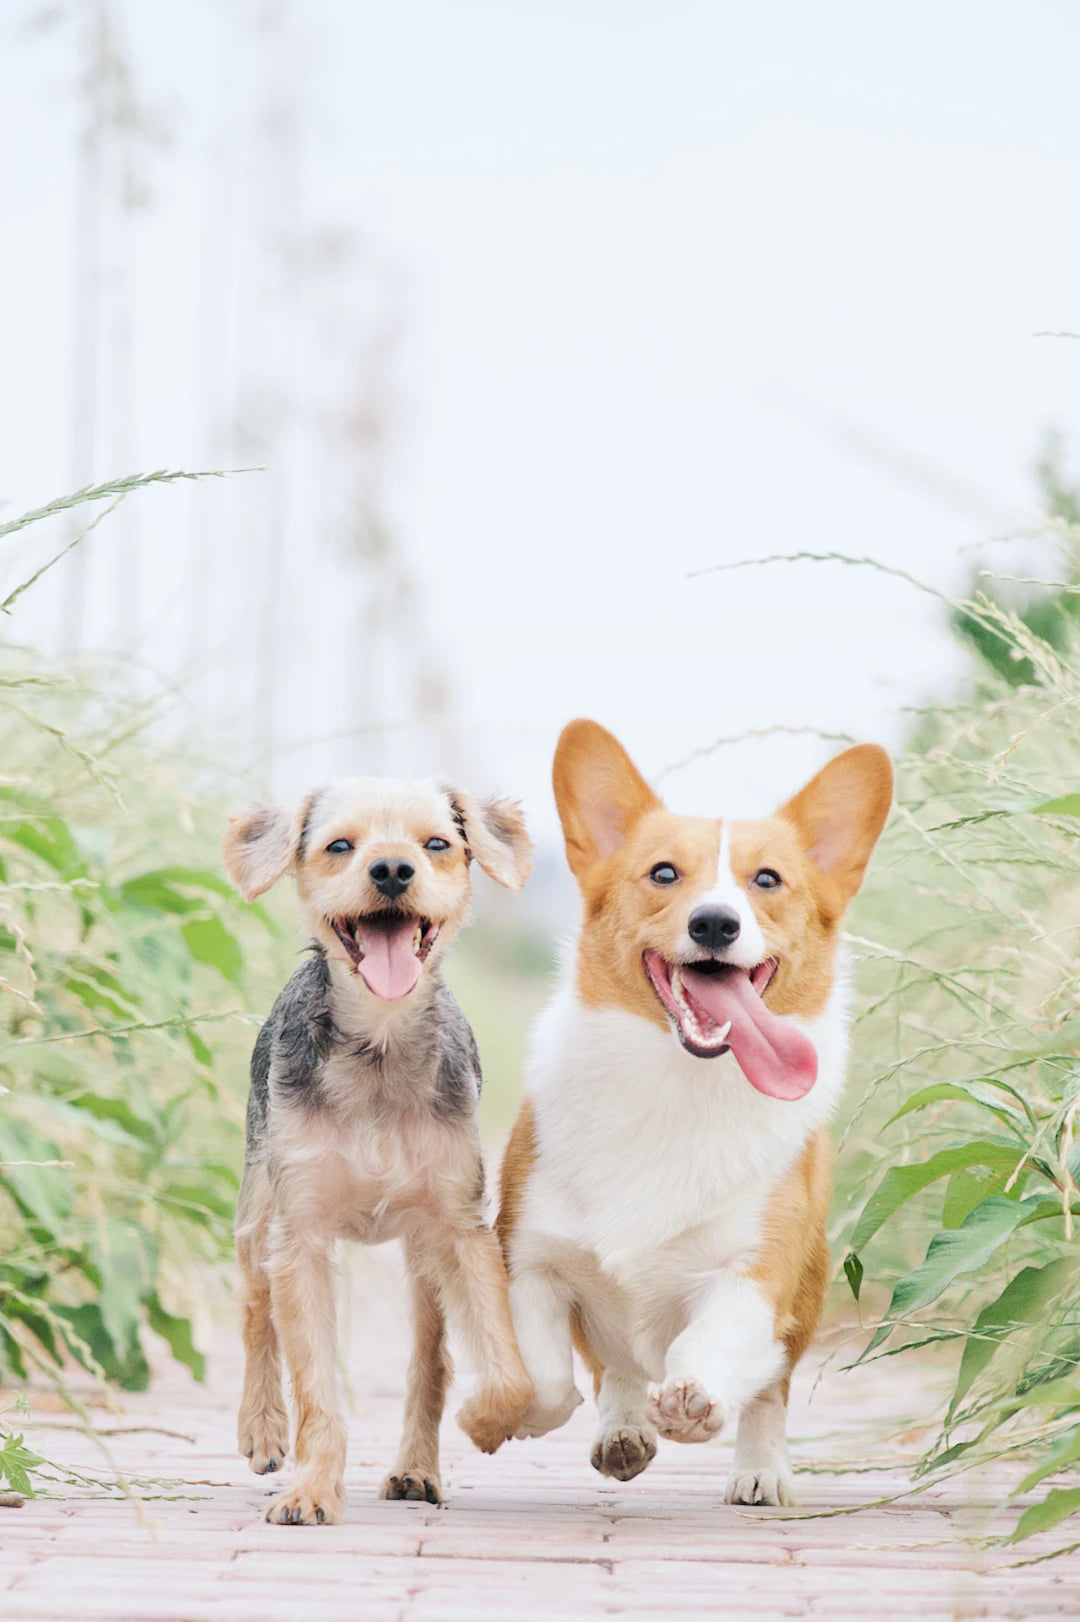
(494, 832)
(261, 844)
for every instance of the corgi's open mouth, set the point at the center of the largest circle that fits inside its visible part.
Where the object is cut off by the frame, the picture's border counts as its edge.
(387, 949)
(718, 1008)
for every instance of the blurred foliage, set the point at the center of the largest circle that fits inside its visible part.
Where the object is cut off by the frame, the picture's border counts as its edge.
(125, 969)
(123, 959)
(957, 1194)
(502, 978)
(1051, 616)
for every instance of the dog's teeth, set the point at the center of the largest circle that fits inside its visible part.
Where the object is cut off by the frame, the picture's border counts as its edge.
(722, 1035)
(418, 938)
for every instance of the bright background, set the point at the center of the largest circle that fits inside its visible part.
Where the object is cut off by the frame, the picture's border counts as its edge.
(529, 312)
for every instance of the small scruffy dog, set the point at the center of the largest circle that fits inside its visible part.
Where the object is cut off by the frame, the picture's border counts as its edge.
(361, 1124)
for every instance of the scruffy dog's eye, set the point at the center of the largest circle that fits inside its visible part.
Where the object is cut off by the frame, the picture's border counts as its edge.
(437, 844)
(338, 847)
(663, 873)
(766, 879)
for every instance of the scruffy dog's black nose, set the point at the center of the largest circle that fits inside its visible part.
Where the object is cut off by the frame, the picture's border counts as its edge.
(391, 878)
(714, 927)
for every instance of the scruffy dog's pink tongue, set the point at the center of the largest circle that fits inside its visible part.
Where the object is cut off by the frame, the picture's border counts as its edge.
(772, 1054)
(389, 965)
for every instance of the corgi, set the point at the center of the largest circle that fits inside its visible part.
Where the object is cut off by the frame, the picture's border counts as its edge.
(665, 1187)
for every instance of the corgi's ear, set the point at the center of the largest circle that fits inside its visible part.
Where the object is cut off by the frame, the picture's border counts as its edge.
(494, 832)
(599, 792)
(262, 843)
(840, 813)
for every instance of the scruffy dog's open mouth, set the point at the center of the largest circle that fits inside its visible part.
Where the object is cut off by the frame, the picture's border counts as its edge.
(719, 1008)
(387, 949)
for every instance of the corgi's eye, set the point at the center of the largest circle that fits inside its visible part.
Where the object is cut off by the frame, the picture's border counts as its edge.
(766, 879)
(338, 847)
(663, 873)
(437, 844)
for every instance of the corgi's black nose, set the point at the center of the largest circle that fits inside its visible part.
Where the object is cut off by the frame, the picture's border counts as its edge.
(714, 927)
(391, 878)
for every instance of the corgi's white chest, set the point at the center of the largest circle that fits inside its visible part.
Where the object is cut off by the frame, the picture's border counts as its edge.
(641, 1147)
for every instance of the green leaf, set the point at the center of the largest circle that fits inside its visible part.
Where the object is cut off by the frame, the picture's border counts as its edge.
(1066, 1452)
(42, 1192)
(1021, 1302)
(209, 941)
(177, 1331)
(951, 1253)
(961, 1091)
(853, 1272)
(162, 889)
(201, 1204)
(91, 1343)
(144, 1132)
(901, 1182)
(1067, 806)
(198, 1046)
(52, 841)
(16, 1460)
(125, 1259)
(964, 1191)
(1061, 1393)
(152, 892)
(1055, 1507)
(197, 878)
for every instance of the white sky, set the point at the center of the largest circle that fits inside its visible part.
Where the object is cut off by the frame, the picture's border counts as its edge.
(681, 284)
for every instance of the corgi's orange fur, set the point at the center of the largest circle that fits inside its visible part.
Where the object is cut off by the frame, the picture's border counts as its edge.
(665, 1188)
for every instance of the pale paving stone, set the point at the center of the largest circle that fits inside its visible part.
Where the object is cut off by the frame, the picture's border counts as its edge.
(531, 1533)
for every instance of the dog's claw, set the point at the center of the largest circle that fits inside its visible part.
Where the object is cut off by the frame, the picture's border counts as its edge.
(264, 1441)
(318, 1506)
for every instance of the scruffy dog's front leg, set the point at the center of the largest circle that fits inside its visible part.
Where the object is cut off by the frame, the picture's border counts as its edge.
(416, 1473)
(474, 1279)
(263, 1424)
(303, 1302)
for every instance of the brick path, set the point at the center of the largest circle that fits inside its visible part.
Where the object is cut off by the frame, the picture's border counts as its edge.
(532, 1533)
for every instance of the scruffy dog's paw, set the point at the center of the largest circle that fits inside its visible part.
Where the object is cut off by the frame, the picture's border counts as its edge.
(493, 1414)
(419, 1486)
(760, 1487)
(624, 1452)
(547, 1413)
(310, 1504)
(263, 1440)
(683, 1411)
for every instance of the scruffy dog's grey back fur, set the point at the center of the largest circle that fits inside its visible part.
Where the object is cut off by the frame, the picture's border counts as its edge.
(440, 1062)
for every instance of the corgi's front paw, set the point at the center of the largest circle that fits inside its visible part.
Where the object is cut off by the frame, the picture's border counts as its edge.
(774, 1487)
(683, 1411)
(548, 1411)
(624, 1452)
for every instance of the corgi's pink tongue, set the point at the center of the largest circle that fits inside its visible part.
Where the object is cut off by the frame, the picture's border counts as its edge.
(389, 965)
(772, 1054)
